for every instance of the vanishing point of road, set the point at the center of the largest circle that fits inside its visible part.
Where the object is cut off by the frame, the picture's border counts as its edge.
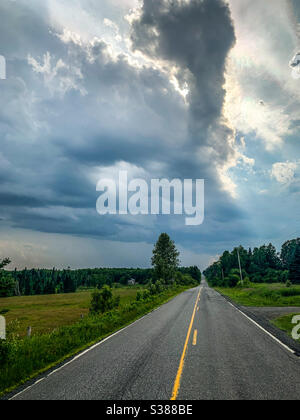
(196, 347)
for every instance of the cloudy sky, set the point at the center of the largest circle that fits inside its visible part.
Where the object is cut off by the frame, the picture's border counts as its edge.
(201, 89)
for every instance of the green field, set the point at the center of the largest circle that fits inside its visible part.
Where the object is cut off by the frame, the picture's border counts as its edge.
(22, 359)
(276, 294)
(48, 312)
(285, 323)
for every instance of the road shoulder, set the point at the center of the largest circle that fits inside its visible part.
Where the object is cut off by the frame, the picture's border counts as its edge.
(262, 318)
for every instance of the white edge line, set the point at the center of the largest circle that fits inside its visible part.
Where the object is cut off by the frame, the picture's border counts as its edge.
(84, 352)
(263, 329)
(78, 356)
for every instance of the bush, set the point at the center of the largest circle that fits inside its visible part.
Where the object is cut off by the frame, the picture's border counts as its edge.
(288, 283)
(159, 286)
(143, 296)
(284, 277)
(4, 351)
(152, 289)
(234, 277)
(246, 283)
(139, 296)
(103, 301)
(256, 278)
(185, 279)
(289, 292)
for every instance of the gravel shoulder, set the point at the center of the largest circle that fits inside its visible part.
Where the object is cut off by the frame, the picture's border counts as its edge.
(270, 313)
(264, 316)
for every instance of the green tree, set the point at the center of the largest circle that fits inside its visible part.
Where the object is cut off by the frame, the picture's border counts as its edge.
(69, 283)
(287, 252)
(295, 266)
(7, 282)
(165, 258)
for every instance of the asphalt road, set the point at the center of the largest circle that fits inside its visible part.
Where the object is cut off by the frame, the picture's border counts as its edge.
(190, 349)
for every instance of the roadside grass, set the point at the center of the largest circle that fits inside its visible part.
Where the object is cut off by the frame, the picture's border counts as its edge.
(275, 294)
(284, 323)
(24, 359)
(47, 312)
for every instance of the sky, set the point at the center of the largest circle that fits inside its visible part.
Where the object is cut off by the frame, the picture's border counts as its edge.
(187, 89)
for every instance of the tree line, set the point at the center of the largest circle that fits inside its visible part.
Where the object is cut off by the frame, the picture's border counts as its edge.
(43, 281)
(260, 265)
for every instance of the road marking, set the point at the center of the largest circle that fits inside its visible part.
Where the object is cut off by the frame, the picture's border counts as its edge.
(263, 329)
(181, 364)
(195, 338)
(86, 351)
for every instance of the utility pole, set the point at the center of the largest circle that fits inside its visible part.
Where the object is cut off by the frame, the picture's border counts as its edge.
(241, 274)
(220, 262)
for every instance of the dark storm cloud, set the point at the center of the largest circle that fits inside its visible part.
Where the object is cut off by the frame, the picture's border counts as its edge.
(93, 110)
(10, 199)
(195, 36)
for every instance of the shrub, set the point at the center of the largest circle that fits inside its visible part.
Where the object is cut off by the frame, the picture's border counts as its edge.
(152, 289)
(4, 351)
(246, 283)
(233, 278)
(284, 277)
(103, 301)
(289, 292)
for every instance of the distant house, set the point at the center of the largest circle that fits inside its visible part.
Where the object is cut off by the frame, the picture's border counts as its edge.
(131, 282)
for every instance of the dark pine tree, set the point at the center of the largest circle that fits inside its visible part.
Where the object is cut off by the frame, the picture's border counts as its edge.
(295, 266)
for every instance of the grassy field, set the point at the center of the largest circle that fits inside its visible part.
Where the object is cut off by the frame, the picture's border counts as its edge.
(285, 323)
(23, 359)
(264, 295)
(48, 312)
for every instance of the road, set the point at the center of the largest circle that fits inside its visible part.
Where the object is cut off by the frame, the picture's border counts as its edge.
(196, 347)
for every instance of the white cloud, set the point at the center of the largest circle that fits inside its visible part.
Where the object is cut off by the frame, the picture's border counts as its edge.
(59, 77)
(262, 96)
(284, 172)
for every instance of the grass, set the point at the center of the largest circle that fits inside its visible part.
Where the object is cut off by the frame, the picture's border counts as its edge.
(275, 294)
(285, 324)
(23, 359)
(48, 312)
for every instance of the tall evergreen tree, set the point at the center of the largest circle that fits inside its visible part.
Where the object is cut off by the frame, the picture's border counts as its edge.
(7, 282)
(295, 266)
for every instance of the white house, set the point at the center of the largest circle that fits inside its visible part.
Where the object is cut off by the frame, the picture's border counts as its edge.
(131, 282)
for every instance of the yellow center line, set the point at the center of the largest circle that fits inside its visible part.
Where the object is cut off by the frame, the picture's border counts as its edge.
(195, 338)
(181, 364)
